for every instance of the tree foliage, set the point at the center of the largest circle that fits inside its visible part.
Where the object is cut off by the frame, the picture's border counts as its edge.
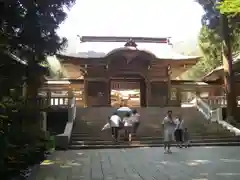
(210, 40)
(209, 43)
(231, 7)
(28, 30)
(29, 27)
(213, 10)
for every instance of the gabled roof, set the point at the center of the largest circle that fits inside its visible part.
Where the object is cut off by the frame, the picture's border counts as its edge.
(166, 53)
(218, 72)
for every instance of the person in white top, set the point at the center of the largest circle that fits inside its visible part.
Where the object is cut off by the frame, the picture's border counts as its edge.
(179, 131)
(128, 125)
(168, 129)
(136, 120)
(114, 123)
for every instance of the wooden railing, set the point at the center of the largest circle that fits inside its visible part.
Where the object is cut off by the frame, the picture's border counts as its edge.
(72, 109)
(215, 115)
(218, 101)
(46, 101)
(203, 107)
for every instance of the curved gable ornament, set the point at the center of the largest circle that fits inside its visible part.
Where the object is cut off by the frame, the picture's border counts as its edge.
(130, 53)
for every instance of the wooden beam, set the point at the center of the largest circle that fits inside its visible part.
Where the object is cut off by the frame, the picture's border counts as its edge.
(125, 39)
(96, 79)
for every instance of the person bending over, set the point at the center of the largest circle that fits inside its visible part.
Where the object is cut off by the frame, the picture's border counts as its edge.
(114, 123)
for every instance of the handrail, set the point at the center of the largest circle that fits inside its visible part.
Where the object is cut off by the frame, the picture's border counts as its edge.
(207, 111)
(72, 109)
(203, 107)
(218, 100)
(215, 115)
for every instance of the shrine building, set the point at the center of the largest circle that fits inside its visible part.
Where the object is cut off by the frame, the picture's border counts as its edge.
(128, 67)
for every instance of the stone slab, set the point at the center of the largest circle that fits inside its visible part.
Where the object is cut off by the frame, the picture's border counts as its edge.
(196, 163)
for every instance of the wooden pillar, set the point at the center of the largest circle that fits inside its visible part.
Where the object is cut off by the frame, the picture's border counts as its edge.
(49, 99)
(179, 96)
(109, 93)
(24, 90)
(143, 93)
(85, 99)
(169, 72)
(44, 121)
(148, 93)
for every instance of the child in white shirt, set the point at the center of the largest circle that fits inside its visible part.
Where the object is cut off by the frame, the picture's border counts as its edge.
(128, 125)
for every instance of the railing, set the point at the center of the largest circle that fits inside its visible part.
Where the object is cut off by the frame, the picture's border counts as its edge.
(207, 111)
(218, 101)
(203, 107)
(45, 101)
(215, 115)
(72, 110)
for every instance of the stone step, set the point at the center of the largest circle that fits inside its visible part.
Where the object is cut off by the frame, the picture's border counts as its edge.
(158, 134)
(143, 133)
(157, 141)
(90, 138)
(76, 147)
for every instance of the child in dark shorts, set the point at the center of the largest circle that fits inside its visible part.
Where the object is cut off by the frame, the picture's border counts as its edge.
(186, 138)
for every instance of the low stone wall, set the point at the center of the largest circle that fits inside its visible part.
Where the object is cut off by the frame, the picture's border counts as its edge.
(57, 120)
(62, 140)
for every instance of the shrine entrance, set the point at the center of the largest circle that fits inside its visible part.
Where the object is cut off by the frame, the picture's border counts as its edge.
(128, 90)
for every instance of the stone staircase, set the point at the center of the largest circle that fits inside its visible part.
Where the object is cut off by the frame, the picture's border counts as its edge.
(89, 122)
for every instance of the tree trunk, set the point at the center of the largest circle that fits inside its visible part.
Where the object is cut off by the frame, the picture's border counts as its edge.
(228, 70)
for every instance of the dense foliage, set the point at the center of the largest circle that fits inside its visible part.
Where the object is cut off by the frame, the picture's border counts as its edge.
(30, 26)
(210, 40)
(230, 7)
(210, 45)
(27, 30)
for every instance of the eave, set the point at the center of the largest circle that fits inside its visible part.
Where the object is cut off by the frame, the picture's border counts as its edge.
(102, 60)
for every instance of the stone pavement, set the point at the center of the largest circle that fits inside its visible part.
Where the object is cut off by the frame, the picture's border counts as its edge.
(198, 163)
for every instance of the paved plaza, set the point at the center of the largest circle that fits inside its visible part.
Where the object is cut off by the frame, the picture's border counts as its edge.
(197, 163)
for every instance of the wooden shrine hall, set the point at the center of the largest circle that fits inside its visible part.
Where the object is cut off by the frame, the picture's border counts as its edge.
(128, 67)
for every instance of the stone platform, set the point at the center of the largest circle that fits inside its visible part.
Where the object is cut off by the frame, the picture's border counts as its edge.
(196, 163)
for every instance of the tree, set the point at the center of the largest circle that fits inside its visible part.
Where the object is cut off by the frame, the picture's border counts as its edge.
(230, 7)
(209, 43)
(28, 28)
(224, 26)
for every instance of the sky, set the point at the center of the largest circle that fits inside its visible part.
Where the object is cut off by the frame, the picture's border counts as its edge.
(179, 19)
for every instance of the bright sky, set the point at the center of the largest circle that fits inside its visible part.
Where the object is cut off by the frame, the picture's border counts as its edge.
(179, 19)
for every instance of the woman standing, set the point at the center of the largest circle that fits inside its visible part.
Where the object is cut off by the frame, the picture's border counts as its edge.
(128, 125)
